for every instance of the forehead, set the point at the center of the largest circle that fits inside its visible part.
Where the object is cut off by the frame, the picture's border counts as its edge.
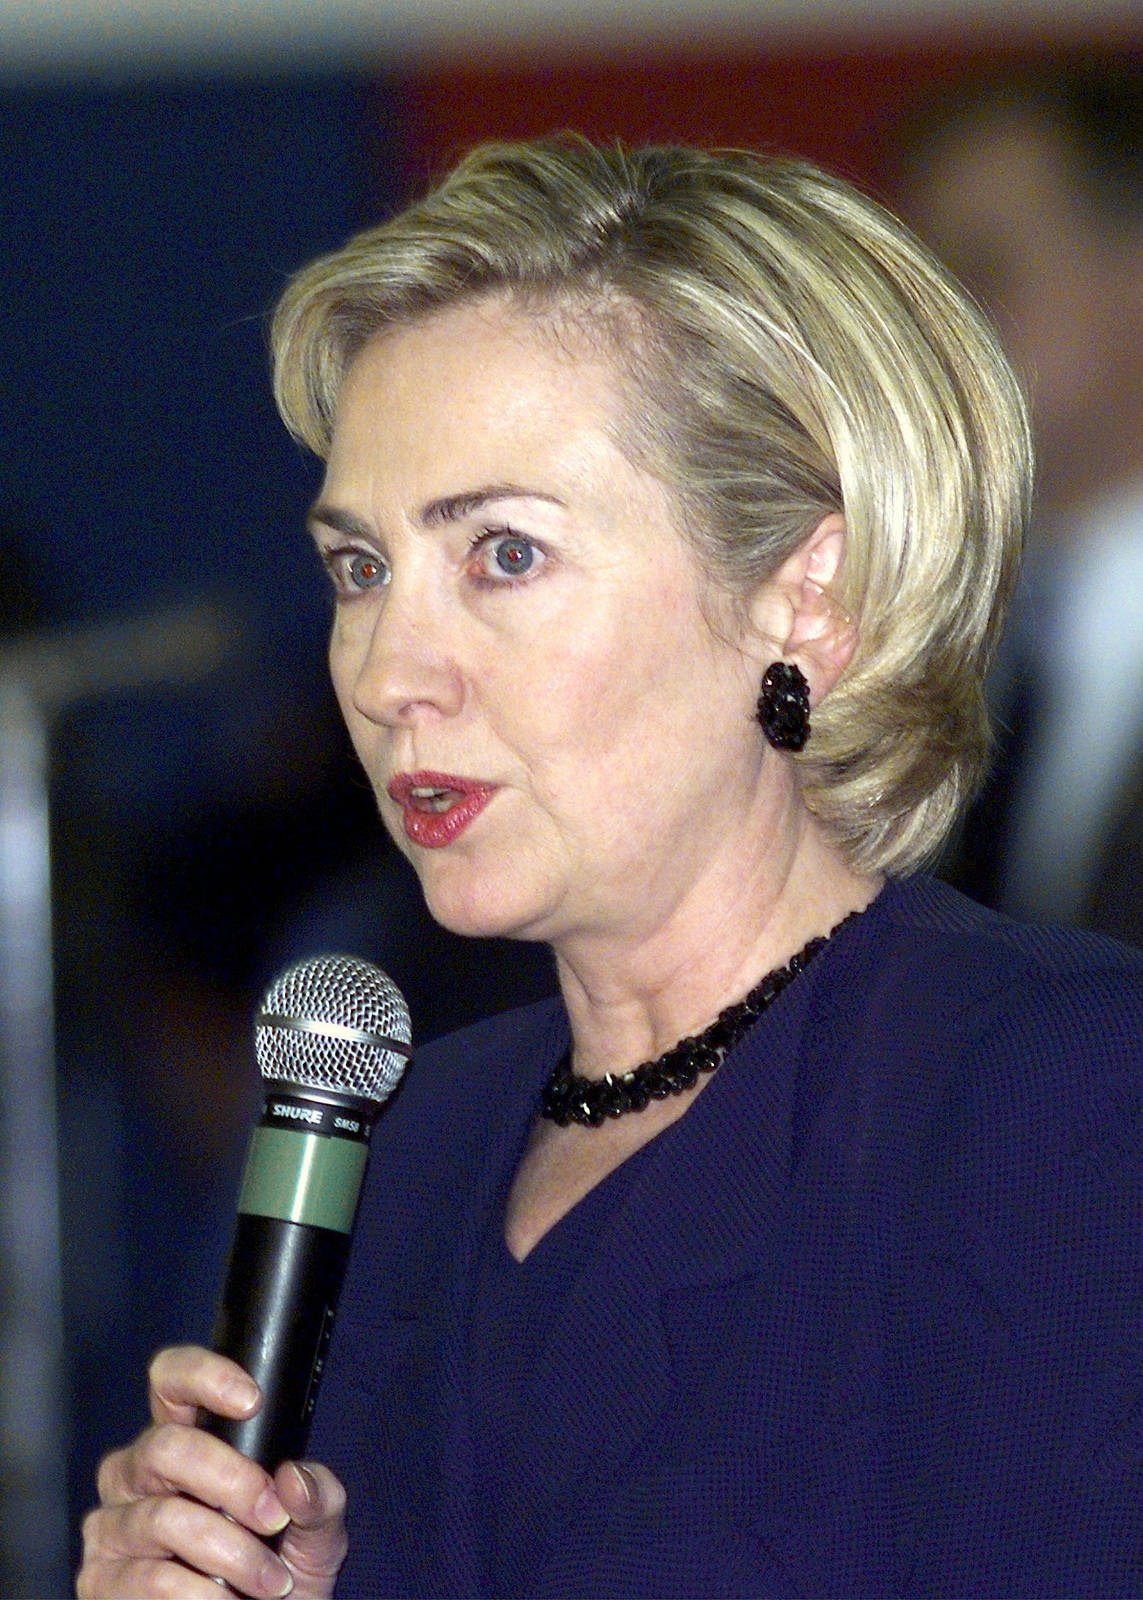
(494, 339)
(470, 390)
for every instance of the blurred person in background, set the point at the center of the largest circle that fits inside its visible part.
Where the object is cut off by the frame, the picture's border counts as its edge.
(1031, 186)
(672, 502)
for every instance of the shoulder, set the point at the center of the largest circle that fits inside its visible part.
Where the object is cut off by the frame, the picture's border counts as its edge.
(969, 970)
(957, 1029)
(928, 915)
(1005, 1075)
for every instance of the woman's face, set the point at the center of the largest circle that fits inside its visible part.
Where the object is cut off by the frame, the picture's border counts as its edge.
(557, 739)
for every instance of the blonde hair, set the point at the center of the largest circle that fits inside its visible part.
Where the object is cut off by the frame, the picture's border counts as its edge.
(788, 349)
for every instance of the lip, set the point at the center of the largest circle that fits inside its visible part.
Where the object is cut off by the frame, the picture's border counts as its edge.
(431, 828)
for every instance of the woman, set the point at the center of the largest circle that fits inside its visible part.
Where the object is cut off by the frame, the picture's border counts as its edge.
(672, 501)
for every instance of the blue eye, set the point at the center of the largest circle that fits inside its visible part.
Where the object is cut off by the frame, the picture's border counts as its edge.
(514, 555)
(498, 555)
(354, 572)
(367, 572)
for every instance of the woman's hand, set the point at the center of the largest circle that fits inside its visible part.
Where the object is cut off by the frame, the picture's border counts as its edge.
(179, 1508)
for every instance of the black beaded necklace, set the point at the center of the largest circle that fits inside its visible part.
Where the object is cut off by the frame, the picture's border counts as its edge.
(568, 1097)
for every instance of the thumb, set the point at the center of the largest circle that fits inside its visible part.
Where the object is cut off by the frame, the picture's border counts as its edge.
(314, 1545)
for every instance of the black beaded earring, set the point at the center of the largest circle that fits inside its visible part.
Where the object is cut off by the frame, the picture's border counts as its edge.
(784, 706)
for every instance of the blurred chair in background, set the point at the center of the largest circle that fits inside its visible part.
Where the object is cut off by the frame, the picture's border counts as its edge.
(1031, 187)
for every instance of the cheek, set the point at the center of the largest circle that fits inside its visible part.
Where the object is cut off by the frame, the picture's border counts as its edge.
(343, 672)
(586, 700)
(622, 720)
(344, 666)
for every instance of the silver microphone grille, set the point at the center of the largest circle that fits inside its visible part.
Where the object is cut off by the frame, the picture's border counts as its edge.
(334, 1022)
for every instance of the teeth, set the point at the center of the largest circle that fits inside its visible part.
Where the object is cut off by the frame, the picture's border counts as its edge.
(433, 799)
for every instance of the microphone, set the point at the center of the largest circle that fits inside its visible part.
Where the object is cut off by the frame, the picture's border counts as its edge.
(332, 1039)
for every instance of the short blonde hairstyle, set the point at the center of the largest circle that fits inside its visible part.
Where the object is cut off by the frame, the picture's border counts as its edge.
(788, 349)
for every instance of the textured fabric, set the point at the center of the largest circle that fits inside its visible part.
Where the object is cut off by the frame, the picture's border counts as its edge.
(867, 1321)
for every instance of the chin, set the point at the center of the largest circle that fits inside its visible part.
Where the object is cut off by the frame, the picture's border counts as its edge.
(480, 911)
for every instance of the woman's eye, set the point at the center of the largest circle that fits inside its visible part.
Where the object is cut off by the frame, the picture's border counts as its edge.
(355, 570)
(507, 555)
(366, 571)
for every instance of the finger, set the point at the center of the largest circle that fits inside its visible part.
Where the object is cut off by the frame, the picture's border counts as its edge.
(315, 1544)
(163, 1542)
(133, 1580)
(172, 1460)
(186, 1377)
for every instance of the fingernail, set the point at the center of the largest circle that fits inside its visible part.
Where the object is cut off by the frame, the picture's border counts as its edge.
(241, 1393)
(276, 1579)
(307, 1481)
(269, 1511)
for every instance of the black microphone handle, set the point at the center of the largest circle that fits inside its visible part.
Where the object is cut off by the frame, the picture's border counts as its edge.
(275, 1319)
(296, 1211)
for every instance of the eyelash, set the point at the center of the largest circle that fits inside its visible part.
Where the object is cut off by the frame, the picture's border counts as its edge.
(339, 564)
(487, 541)
(340, 561)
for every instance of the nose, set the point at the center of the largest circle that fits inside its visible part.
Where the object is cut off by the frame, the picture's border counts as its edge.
(400, 670)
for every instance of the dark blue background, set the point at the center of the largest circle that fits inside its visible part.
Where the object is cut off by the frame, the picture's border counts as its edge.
(147, 230)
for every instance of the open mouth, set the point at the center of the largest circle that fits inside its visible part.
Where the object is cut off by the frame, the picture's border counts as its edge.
(436, 808)
(433, 800)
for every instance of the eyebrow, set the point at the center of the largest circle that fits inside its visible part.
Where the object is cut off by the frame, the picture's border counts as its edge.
(343, 522)
(452, 507)
(448, 508)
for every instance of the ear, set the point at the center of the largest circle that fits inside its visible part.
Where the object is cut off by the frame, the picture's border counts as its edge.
(795, 615)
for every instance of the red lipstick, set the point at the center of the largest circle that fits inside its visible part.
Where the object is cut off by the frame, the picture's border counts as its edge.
(436, 807)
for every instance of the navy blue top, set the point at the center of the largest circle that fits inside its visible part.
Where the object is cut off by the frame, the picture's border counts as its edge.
(866, 1321)
(517, 1310)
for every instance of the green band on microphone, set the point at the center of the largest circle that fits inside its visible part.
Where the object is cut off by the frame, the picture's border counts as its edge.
(303, 1177)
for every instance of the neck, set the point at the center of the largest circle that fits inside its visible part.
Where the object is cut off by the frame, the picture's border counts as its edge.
(631, 997)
